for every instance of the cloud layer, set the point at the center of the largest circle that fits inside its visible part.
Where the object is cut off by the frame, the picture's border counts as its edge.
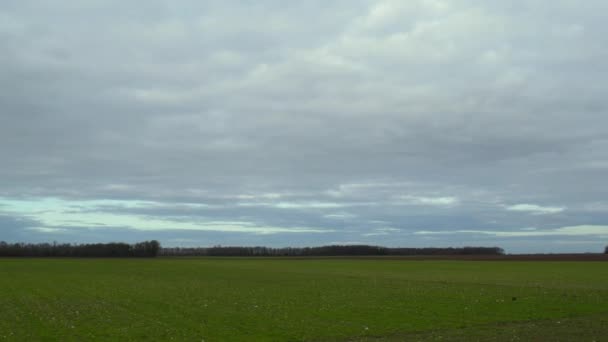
(293, 124)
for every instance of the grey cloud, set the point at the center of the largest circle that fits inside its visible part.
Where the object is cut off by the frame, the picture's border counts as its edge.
(491, 104)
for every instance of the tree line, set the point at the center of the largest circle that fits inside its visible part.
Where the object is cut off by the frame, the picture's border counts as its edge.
(112, 249)
(153, 248)
(332, 250)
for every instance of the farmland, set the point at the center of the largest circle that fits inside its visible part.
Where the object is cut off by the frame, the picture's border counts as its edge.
(266, 299)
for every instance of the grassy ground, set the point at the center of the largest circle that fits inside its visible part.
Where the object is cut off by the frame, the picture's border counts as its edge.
(301, 300)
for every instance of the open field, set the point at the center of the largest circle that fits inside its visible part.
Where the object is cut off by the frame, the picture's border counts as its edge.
(235, 299)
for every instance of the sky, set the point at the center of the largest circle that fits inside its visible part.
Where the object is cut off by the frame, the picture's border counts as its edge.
(281, 123)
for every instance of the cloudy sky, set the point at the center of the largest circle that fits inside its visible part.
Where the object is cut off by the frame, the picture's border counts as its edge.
(284, 123)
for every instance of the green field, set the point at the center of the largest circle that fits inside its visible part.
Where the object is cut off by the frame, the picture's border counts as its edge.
(235, 299)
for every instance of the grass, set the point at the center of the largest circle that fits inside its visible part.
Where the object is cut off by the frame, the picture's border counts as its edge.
(239, 299)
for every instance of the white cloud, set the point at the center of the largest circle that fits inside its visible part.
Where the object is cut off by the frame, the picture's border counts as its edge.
(305, 205)
(580, 230)
(361, 190)
(535, 209)
(48, 230)
(375, 234)
(432, 201)
(106, 220)
(308, 205)
(340, 216)
(265, 196)
(54, 215)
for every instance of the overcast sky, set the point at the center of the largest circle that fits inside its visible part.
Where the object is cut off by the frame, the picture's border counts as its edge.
(284, 123)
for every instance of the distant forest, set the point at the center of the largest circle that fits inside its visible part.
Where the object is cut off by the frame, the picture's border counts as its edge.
(153, 249)
(334, 250)
(115, 249)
